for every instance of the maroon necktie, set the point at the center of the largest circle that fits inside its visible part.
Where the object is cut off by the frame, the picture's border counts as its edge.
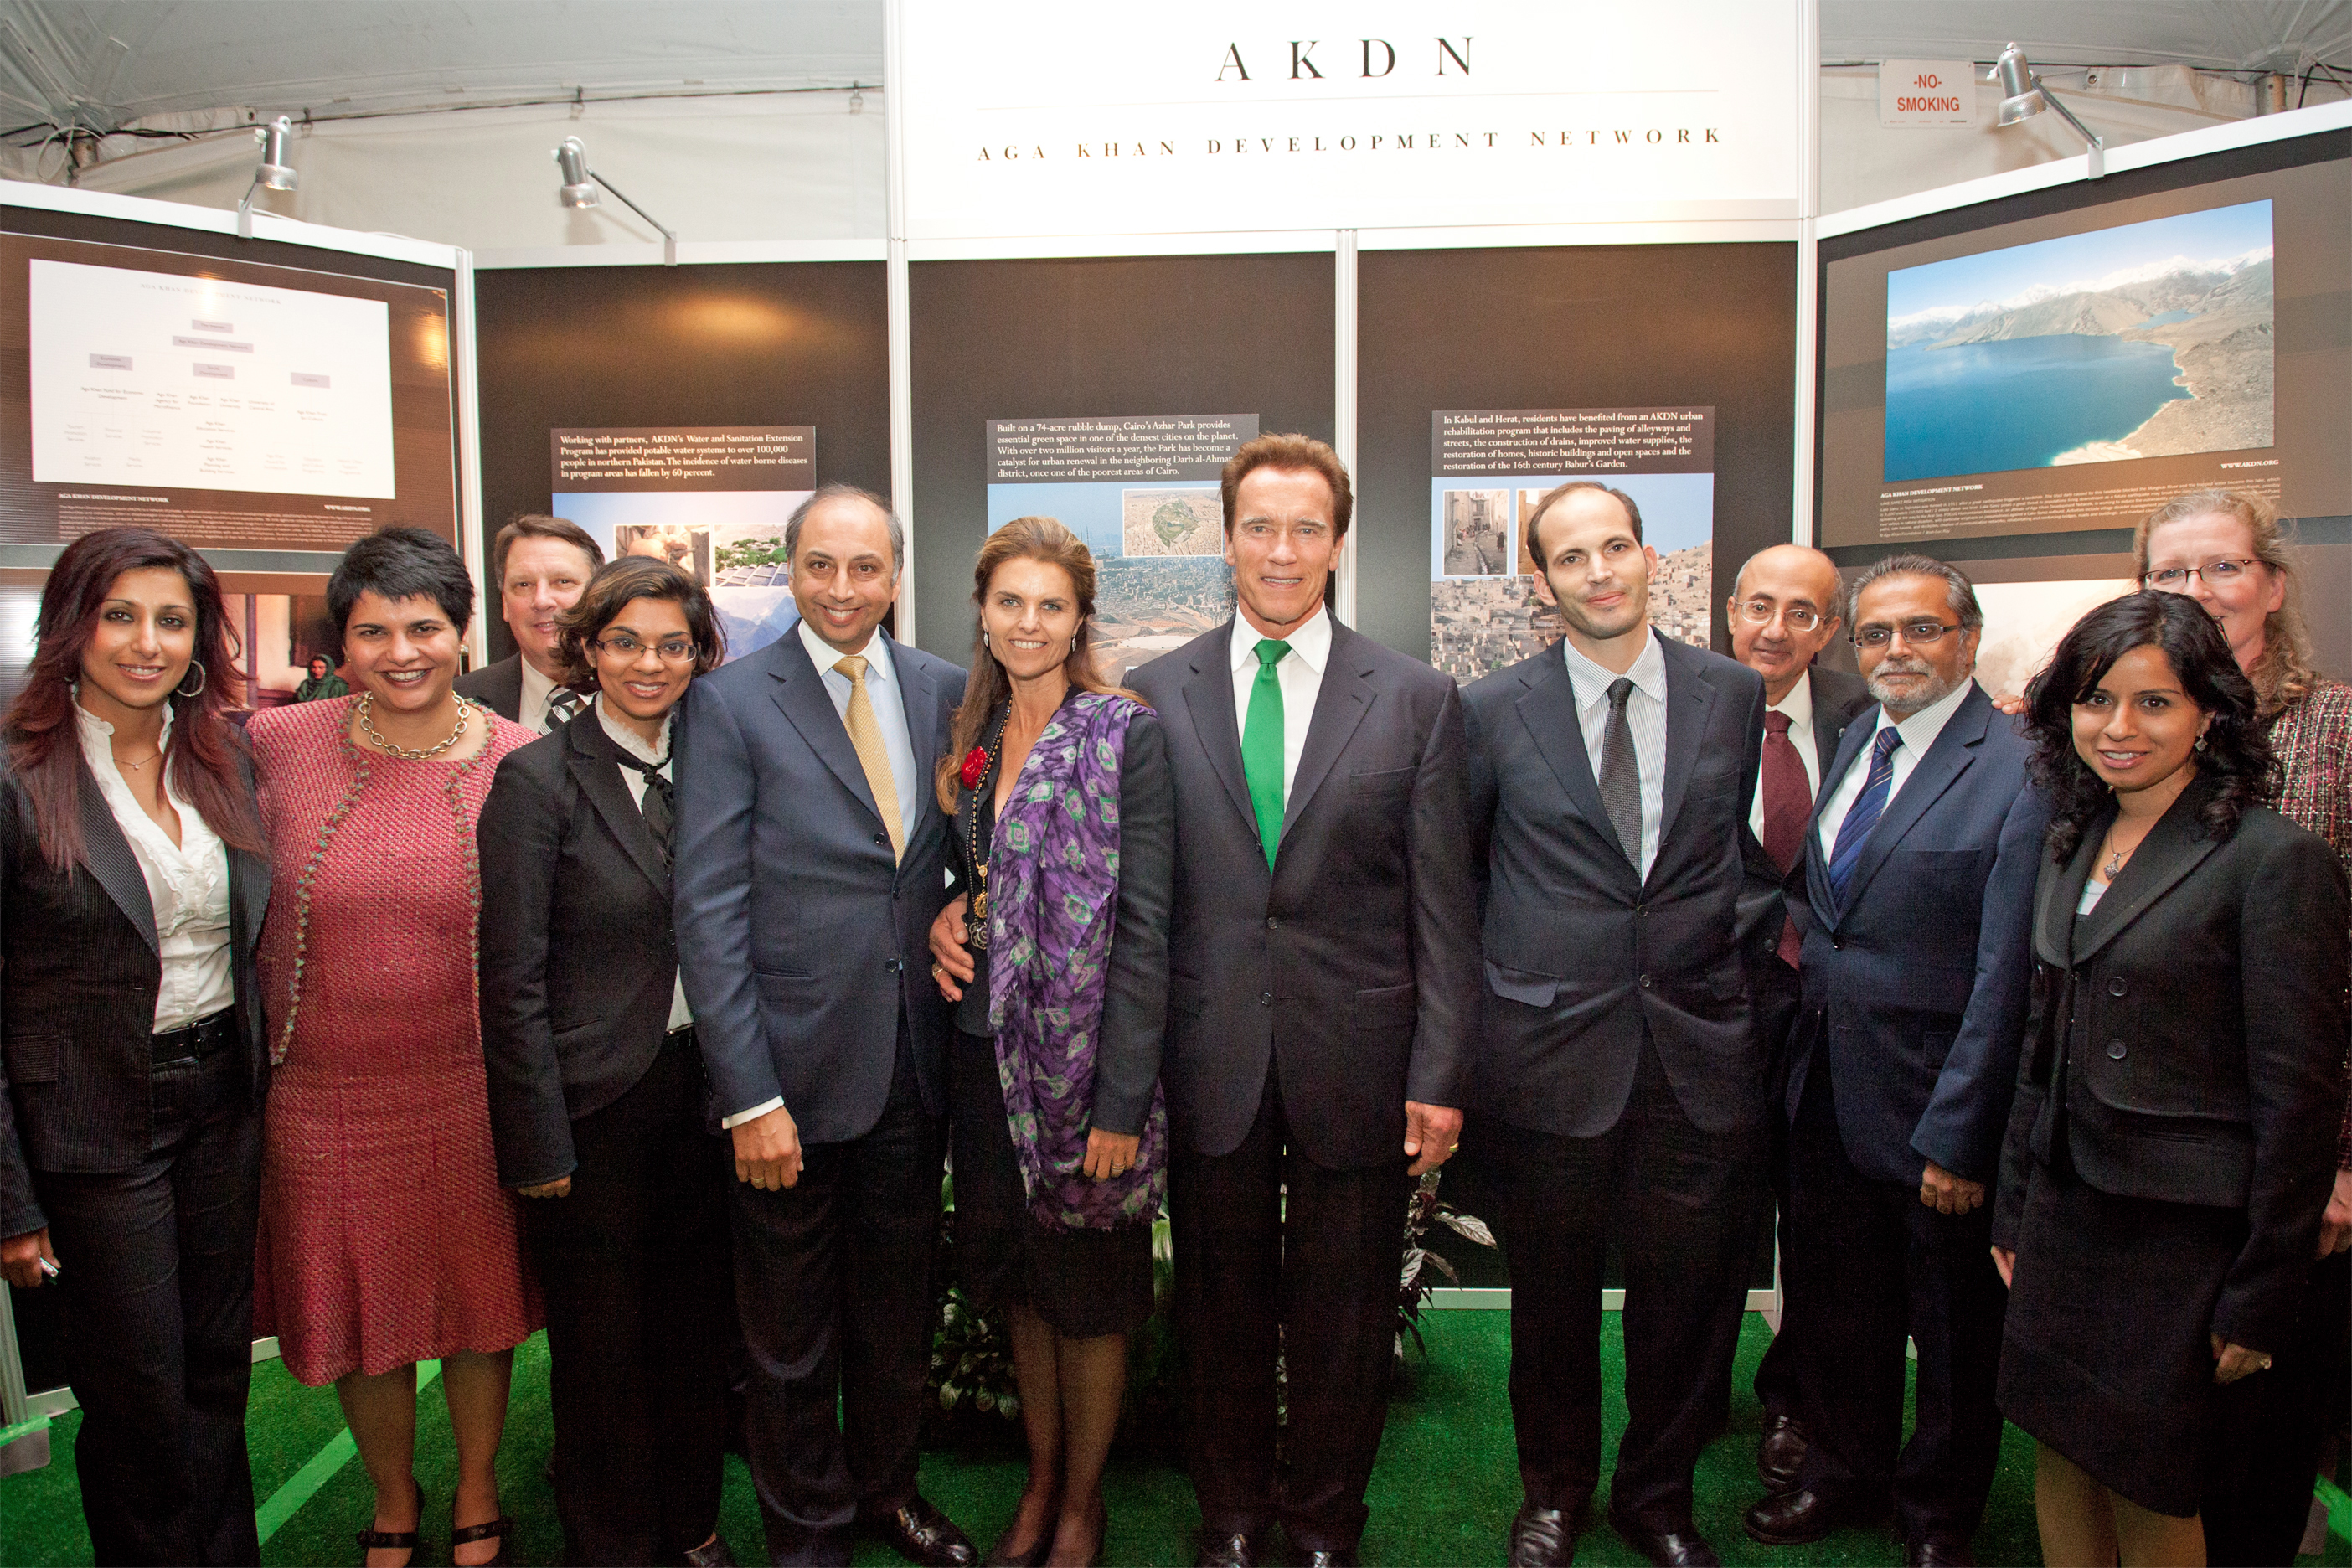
(1788, 802)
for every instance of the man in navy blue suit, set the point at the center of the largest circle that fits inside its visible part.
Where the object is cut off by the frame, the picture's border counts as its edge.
(1920, 867)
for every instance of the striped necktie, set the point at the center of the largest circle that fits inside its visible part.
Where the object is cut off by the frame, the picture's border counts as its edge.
(1855, 831)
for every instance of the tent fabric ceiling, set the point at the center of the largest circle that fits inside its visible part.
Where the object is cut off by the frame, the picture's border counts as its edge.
(99, 64)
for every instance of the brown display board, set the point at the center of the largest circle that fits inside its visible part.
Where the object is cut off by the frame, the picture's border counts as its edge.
(1095, 340)
(678, 348)
(1598, 328)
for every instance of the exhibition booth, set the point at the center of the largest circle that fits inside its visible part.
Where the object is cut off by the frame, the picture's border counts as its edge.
(1478, 263)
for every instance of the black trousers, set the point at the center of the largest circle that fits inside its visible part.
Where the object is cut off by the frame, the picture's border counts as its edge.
(1319, 1288)
(1874, 1265)
(833, 1283)
(1777, 1001)
(636, 1271)
(156, 1265)
(2263, 1451)
(1683, 1206)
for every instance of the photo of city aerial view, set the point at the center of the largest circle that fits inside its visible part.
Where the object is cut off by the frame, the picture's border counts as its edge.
(2140, 340)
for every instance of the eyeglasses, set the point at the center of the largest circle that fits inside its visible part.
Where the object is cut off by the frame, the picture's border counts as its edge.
(621, 647)
(1796, 617)
(1917, 633)
(2175, 579)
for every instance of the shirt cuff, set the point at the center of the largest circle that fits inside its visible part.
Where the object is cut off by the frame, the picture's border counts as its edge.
(753, 1114)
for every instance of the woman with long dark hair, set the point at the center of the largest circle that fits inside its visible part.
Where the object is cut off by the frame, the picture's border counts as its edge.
(386, 1239)
(2172, 1145)
(132, 883)
(1055, 956)
(596, 1086)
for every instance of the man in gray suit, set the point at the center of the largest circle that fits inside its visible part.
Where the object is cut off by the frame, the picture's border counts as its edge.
(811, 860)
(1321, 982)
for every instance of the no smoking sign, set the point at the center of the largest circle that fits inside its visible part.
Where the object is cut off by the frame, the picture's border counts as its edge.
(1926, 93)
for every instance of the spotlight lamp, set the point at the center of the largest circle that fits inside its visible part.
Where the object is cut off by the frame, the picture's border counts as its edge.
(274, 172)
(2024, 95)
(584, 188)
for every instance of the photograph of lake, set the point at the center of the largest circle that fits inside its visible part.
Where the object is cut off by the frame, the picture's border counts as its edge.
(2143, 340)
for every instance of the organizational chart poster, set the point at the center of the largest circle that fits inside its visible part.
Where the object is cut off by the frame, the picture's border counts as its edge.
(146, 378)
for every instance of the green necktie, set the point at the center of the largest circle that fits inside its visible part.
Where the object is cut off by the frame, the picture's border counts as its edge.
(1262, 747)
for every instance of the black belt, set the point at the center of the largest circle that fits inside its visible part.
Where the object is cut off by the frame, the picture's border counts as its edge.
(191, 1041)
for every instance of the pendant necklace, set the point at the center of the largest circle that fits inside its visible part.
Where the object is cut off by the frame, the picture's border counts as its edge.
(975, 917)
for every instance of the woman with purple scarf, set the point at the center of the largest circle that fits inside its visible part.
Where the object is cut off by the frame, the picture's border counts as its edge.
(1056, 956)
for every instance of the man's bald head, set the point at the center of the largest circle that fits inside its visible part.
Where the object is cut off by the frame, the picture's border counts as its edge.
(1784, 612)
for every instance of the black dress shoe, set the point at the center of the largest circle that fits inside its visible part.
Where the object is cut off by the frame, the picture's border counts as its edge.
(1933, 1553)
(1681, 1547)
(922, 1533)
(1781, 1453)
(1329, 1559)
(1793, 1519)
(714, 1554)
(1545, 1537)
(1234, 1551)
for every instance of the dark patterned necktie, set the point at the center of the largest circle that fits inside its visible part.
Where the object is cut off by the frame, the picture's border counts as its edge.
(564, 705)
(1621, 773)
(1787, 800)
(657, 804)
(1855, 831)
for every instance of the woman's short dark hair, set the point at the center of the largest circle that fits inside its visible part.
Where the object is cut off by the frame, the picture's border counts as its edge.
(2237, 754)
(612, 589)
(402, 563)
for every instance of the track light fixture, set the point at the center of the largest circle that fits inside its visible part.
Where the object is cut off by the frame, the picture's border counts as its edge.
(2024, 95)
(274, 172)
(583, 187)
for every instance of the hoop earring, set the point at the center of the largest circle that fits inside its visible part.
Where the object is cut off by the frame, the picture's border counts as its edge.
(198, 666)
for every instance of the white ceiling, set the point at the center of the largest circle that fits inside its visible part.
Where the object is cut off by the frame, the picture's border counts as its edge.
(103, 63)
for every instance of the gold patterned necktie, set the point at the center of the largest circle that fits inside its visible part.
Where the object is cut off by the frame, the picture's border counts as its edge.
(865, 738)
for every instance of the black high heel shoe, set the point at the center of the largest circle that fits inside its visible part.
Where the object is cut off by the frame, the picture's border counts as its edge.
(1039, 1550)
(502, 1528)
(371, 1539)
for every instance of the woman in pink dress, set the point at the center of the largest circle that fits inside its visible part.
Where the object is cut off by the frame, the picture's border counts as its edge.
(386, 1239)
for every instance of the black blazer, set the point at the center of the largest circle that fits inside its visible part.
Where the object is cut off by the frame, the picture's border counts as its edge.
(578, 959)
(804, 944)
(1915, 987)
(1350, 966)
(2193, 1024)
(1135, 998)
(1839, 698)
(1583, 953)
(497, 686)
(79, 969)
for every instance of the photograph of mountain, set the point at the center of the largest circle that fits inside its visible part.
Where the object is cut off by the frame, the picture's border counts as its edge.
(2145, 340)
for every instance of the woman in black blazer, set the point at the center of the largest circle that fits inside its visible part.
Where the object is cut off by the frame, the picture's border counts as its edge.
(597, 1088)
(2172, 1141)
(131, 888)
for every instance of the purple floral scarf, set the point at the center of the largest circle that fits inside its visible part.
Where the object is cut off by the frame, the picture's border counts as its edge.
(1053, 897)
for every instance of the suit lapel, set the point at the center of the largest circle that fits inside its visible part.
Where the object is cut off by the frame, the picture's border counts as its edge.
(1689, 698)
(1341, 704)
(2057, 893)
(801, 693)
(595, 762)
(1209, 695)
(2172, 849)
(1953, 751)
(920, 697)
(108, 854)
(1547, 708)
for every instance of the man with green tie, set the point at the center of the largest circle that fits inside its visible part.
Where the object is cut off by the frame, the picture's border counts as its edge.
(1323, 977)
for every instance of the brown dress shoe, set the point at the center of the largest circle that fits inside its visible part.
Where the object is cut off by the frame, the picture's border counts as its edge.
(1544, 1536)
(1933, 1553)
(1781, 1453)
(922, 1533)
(1234, 1551)
(1678, 1546)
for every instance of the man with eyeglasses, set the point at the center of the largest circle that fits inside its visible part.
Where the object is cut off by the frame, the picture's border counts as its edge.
(1784, 613)
(1919, 879)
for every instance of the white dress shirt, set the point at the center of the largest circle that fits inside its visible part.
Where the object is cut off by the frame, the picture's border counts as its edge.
(629, 741)
(1919, 733)
(1299, 674)
(531, 710)
(187, 884)
(1645, 716)
(1798, 706)
(883, 691)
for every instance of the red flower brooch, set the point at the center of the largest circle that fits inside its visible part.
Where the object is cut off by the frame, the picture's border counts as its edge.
(975, 762)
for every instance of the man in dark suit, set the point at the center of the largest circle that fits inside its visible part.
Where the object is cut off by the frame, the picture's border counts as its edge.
(1919, 877)
(1320, 985)
(1782, 614)
(812, 857)
(540, 565)
(1620, 1083)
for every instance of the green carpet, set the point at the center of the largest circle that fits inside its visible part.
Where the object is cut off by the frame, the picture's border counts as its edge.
(1443, 1492)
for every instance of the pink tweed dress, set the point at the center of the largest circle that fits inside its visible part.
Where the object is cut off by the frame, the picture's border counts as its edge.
(386, 1238)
